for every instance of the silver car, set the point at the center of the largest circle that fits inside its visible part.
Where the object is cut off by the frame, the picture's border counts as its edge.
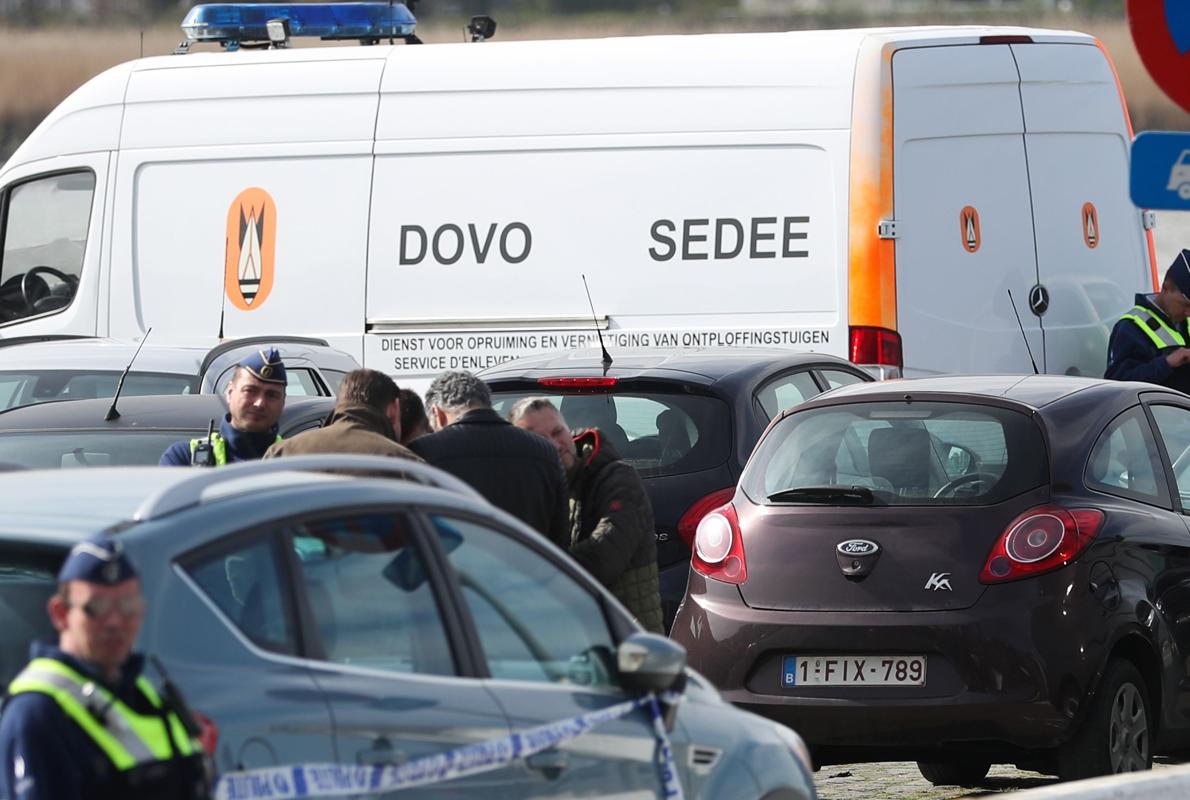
(38, 369)
(330, 618)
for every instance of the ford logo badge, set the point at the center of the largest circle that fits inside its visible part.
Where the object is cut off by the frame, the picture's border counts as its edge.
(858, 547)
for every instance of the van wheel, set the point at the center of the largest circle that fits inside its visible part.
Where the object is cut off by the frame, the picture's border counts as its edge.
(962, 772)
(1116, 735)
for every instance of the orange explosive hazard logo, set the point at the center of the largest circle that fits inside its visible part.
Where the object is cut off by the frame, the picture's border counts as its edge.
(250, 245)
(969, 228)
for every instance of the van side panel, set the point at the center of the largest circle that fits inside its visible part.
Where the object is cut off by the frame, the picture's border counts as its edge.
(676, 243)
(1091, 249)
(959, 147)
(186, 215)
(242, 200)
(704, 205)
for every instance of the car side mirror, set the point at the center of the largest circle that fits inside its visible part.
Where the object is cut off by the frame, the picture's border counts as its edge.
(650, 663)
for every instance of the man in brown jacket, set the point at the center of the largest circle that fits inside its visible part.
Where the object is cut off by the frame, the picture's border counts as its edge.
(611, 519)
(366, 420)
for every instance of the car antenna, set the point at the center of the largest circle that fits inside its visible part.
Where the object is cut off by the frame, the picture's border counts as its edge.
(223, 292)
(112, 413)
(1023, 336)
(607, 359)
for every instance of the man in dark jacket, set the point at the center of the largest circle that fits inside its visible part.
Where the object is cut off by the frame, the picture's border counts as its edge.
(366, 420)
(611, 519)
(513, 469)
(1149, 343)
(255, 400)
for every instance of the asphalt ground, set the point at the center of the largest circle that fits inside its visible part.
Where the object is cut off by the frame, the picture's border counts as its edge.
(901, 781)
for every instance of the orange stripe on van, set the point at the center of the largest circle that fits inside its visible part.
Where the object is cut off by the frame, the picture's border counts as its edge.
(872, 276)
(1128, 122)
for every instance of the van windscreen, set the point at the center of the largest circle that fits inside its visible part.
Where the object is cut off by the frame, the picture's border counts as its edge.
(898, 454)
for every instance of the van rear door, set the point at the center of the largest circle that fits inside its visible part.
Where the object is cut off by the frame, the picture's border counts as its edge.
(1091, 249)
(961, 199)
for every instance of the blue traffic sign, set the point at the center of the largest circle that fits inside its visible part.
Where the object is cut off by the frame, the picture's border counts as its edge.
(1161, 170)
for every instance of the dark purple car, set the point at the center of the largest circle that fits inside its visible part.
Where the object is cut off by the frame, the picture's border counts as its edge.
(959, 571)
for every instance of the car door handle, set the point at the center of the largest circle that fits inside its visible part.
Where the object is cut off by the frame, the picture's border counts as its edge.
(381, 752)
(550, 763)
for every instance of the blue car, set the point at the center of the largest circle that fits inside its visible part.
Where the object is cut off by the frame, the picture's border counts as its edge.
(320, 617)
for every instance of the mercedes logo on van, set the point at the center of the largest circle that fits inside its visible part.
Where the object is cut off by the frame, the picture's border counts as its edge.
(1039, 299)
(858, 547)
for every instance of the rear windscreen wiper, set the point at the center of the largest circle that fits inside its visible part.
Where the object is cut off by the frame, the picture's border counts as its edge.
(861, 495)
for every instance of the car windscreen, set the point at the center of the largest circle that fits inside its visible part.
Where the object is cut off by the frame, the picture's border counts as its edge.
(67, 449)
(29, 387)
(657, 432)
(898, 454)
(27, 579)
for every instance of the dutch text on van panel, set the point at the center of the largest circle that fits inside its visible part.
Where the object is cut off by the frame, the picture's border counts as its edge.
(448, 243)
(726, 238)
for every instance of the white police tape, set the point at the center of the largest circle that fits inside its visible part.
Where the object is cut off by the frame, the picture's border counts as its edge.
(350, 780)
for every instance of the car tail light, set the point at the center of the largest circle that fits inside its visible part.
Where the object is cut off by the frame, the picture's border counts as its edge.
(877, 347)
(208, 732)
(1040, 540)
(718, 548)
(688, 523)
(1010, 39)
(577, 383)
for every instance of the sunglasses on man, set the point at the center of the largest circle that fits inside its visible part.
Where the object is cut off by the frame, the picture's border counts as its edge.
(99, 607)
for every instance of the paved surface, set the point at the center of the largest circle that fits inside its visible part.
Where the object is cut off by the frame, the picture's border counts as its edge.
(902, 781)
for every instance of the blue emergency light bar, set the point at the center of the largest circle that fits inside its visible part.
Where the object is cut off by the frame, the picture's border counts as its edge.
(232, 24)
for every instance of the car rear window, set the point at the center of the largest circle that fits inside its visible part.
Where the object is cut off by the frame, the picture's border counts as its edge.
(658, 433)
(67, 449)
(26, 388)
(898, 454)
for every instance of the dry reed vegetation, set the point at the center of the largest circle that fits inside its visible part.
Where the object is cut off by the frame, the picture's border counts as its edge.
(40, 67)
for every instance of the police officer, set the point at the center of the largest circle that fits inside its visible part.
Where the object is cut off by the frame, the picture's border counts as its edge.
(80, 721)
(255, 400)
(1149, 343)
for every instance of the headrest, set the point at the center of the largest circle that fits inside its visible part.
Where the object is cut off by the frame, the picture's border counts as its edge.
(588, 410)
(902, 455)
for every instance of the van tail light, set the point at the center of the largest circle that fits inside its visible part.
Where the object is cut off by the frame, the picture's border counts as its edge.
(208, 732)
(877, 348)
(718, 548)
(1040, 540)
(688, 523)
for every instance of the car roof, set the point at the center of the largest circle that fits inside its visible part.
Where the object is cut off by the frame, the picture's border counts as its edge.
(105, 497)
(1030, 390)
(704, 365)
(144, 412)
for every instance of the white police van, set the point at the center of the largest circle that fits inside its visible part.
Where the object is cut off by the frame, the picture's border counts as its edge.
(874, 194)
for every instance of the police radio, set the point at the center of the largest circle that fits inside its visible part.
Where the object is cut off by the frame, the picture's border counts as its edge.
(203, 454)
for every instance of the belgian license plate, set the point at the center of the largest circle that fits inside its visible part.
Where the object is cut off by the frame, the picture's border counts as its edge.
(853, 671)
